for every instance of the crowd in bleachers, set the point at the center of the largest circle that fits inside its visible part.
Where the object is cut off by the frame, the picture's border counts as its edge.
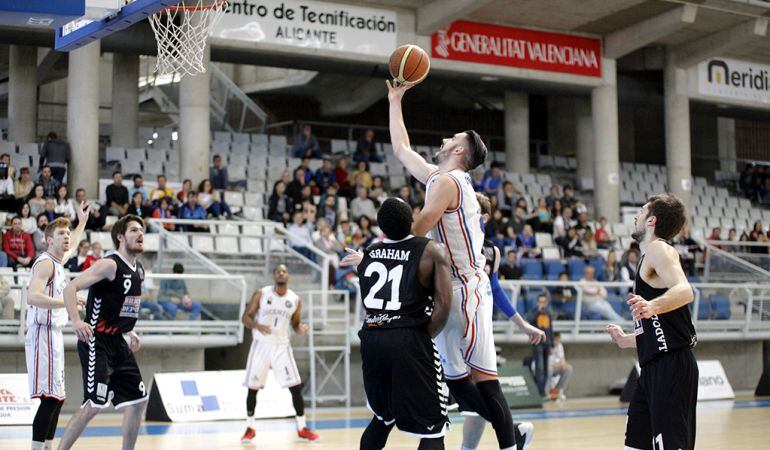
(754, 183)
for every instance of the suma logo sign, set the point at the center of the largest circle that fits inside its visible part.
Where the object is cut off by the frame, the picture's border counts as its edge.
(518, 47)
(732, 79)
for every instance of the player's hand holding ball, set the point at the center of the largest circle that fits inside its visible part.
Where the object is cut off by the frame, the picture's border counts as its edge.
(409, 65)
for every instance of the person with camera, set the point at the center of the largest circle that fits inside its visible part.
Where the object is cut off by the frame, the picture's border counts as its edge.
(7, 197)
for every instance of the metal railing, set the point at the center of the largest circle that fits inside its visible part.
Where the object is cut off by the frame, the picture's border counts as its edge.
(736, 261)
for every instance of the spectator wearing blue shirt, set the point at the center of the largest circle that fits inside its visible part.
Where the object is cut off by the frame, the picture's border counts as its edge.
(192, 210)
(306, 144)
(139, 187)
(493, 179)
(218, 173)
(525, 242)
(325, 176)
(173, 296)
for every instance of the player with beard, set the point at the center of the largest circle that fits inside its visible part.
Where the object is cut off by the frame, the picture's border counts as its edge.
(110, 372)
(662, 411)
(46, 316)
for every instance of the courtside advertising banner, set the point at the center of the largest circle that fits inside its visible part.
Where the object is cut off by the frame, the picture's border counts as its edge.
(713, 383)
(197, 396)
(310, 24)
(736, 80)
(518, 47)
(16, 407)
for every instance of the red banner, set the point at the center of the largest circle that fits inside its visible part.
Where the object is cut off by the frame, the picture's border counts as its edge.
(518, 47)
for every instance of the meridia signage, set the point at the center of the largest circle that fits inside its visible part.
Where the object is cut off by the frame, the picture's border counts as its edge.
(310, 24)
(731, 79)
(518, 47)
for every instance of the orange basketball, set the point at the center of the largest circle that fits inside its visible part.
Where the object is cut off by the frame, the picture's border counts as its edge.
(409, 63)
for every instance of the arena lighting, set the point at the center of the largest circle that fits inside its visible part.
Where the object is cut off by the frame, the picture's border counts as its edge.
(489, 78)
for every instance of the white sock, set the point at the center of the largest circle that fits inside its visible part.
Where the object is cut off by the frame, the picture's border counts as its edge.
(48, 444)
(250, 422)
(37, 445)
(300, 422)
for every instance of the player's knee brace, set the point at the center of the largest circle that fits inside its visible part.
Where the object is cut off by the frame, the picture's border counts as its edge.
(41, 425)
(499, 412)
(468, 397)
(375, 435)
(296, 399)
(251, 402)
(431, 444)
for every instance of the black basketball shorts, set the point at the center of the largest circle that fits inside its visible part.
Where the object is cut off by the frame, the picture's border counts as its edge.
(403, 380)
(110, 372)
(661, 415)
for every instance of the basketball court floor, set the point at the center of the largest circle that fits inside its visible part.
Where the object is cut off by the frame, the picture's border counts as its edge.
(576, 424)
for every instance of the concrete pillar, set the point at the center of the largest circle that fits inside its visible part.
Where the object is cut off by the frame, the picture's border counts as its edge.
(584, 136)
(125, 100)
(604, 112)
(194, 124)
(22, 94)
(561, 125)
(726, 144)
(83, 118)
(517, 132)
(677, 125)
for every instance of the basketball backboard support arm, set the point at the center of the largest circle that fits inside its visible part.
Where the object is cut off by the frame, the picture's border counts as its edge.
(133, 12)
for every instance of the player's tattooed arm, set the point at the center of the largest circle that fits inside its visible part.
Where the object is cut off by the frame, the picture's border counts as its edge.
(299, 327)
(443, 195)
(664, 259)
(442, 287)
(414, 163)
(251, 311)
(104, 269)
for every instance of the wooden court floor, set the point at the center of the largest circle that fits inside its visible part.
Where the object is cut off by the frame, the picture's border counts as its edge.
(576, 424)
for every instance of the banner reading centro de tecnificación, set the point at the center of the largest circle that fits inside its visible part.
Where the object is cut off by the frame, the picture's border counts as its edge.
(518, 47)
(323, 25)
(739, 80)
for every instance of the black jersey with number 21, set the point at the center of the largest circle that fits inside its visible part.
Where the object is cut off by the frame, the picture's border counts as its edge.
(390, 287)
(113, 305)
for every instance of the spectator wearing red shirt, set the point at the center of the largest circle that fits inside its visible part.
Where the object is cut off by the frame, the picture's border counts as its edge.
(341, 176)
(602, 236)
(18, 245)
(96, 255)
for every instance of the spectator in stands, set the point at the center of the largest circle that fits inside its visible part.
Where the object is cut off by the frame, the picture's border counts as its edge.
(405, 194)
(50, 184)
(568, 200)
(117, 196)
(163, 211)
(543, 216)
(8, 200)
(7, 305)
(50, 209)
(75, 264)
(23, 186)
(764, 192)
(377, 192)
(366, 148)
(509, 269)
(327, 210)
(96, 255)
(345, 233)
(211, 201)
(96, 219)
(139, 187)
(602, 235)
(306, 144)
(506, 199)
(294, 189)
(325, 176)
(687, 248)
(541, 317)
(478, 180)
(305, 197)
(611, 269)
(582, 223)
(629, 263)
(329, 244)
(55, 153)
(192, 210)
(553, 196)
(161, 191)
(744, 180)
(280, 205)
(28, 221)
(365, 232)
(525, 242)
(218, 173)
(563, 223)
(558, 365)
(518, 220)
(758, 235)
(716, 235)
(173, 296)
(361, 176)
(362, 205)
(65, 207)
(5, 158)
(18, 245)
(595, 296)
(343, 177)
(36, 200)
(559, 226)
(138, 207)
(496, 230)
(493, 179)
(300, 234)
(571, 245)
(181, 196)
(38, 236)
(588, 241)
(563, 294)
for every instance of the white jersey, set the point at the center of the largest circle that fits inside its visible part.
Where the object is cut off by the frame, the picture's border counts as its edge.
(460, 229)
(56, 317)
(275, 311)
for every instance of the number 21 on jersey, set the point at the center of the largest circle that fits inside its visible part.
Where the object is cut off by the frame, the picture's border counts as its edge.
(383, 276)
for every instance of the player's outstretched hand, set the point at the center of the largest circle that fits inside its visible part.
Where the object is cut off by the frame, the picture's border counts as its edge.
(83, 331)
(83, 211)
(396, 90)
(640, 308)
(264, 329)
(135, 343)
(302, 329)
(353, 258)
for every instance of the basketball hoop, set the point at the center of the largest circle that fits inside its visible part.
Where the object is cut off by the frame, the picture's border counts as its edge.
(181, 33)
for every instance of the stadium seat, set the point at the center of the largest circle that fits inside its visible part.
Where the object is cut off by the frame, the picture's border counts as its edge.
(226, 244)
(278, 140)
(259, 139)
(115, 154)
(237, 173)
(241, 138)
(253, 230)
(103, 238)
(157, 155)
(543, 239)
(130, 167)
(203, 243)
(598, 265)
(378, 169)
(240, 148)
(251, 245)
(551, 253)
(151, 242)
(238, 159)
(531, 269)
(254, 199)
(223, 136)
(720, 305)
(253, 213)
(234, 198)
(576, 268)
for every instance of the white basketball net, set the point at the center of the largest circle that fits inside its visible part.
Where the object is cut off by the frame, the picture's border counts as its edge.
(181, 33)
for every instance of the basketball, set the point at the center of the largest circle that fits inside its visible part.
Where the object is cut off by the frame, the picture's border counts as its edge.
(409, 63)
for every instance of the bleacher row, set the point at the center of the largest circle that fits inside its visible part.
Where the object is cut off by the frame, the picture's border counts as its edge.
(22, 155)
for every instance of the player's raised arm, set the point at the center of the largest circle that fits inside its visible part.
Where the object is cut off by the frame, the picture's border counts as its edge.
(83, 210)
(444, 195)
(442, 285)
(104, 269)
(399, 138)
(664, 259)
(41, 273)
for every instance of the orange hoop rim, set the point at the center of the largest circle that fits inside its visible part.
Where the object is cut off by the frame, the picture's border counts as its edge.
(198, 8)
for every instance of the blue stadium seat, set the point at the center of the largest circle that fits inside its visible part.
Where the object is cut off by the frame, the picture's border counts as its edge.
(576, 268)
(720, 306)
(553, 269)
(565, 310)
(531, 269)
(598, 264)
(704, 309)
(619, 305)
